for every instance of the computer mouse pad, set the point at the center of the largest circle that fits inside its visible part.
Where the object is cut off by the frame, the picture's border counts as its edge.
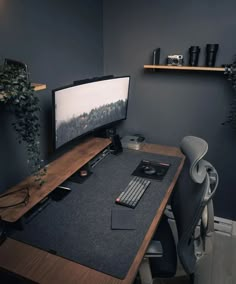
(123, 219)
(151, 170)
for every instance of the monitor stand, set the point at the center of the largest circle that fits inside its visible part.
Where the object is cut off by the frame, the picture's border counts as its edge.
(85, 172)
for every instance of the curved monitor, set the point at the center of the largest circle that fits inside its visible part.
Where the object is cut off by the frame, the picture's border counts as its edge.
(81, 109)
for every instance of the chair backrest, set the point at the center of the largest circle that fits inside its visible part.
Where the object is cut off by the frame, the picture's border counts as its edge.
(194, 190)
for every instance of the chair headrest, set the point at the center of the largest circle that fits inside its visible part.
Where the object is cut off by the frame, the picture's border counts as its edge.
(195, 148)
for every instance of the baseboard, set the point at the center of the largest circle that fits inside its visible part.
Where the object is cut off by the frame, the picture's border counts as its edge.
(224, 226)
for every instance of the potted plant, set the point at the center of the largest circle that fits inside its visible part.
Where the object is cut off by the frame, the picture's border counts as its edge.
(18, 95)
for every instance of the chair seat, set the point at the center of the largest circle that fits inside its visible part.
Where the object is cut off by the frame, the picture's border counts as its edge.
(164, 266)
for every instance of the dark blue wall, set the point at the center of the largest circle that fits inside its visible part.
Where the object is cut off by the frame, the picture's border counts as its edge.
(61, 41)
(168, 105)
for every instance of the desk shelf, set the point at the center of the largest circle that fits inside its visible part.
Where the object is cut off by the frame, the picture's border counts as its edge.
(186, 68)
(57, 172)
(38, 87)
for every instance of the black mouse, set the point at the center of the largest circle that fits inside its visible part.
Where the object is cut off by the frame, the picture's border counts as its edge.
(149, 170)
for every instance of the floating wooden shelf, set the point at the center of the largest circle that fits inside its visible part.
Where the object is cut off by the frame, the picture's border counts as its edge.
(39, 87)
(189, 68)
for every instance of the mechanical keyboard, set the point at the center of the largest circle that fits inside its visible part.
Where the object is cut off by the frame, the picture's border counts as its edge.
(133, 192)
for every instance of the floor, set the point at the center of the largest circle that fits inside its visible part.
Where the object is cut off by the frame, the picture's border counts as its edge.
(222, 269)
(224, 258)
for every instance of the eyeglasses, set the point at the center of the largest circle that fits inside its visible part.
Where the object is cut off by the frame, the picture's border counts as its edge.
(24, 200)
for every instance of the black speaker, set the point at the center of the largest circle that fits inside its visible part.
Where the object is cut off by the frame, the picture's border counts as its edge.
(211, 51)
(116, 146)
(156, 56)
(194, 55)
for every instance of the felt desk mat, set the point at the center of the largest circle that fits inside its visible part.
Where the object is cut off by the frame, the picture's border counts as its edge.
(79, 226)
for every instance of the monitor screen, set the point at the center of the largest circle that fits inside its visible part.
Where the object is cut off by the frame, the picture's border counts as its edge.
(81, 109)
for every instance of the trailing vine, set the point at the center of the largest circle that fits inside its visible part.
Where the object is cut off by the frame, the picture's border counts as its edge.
(19, 96)
(230, 72)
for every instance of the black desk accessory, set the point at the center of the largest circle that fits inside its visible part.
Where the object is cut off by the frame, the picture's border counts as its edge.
(57, 195)
(37, 209)
(60, 192)
(116, 146)
(81, 175)
(122, 219)
(151, 170)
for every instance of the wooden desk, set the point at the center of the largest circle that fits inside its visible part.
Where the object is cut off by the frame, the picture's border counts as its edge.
(43, 267)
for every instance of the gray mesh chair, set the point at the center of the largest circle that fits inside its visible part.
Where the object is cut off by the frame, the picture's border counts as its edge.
(192, 208)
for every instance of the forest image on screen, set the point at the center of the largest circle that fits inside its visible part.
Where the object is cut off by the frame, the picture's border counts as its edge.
(84, 108)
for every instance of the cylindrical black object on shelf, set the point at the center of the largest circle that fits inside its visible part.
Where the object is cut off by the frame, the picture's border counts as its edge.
(211, 51)
(156, 56)
(194, 55)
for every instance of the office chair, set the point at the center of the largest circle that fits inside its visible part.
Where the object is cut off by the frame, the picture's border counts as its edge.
(192, 209)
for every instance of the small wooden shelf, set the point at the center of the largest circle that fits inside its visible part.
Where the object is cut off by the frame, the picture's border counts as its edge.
(39, 87)
(57, 172)
(188, 68)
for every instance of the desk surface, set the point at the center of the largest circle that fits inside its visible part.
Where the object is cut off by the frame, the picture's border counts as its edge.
(43, 267)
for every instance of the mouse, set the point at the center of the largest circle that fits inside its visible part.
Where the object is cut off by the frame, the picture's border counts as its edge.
(149, 170)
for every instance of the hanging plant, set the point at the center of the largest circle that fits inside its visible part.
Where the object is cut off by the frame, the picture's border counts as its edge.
(230, 72)
(19, 96)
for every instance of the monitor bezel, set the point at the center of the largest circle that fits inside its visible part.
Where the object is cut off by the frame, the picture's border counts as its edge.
(95, 130)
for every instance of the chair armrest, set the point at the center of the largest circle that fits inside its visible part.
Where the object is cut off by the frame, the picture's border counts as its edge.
(168, 212)
(154, 249)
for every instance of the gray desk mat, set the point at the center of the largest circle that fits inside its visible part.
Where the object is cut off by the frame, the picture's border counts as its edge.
(78, 228)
